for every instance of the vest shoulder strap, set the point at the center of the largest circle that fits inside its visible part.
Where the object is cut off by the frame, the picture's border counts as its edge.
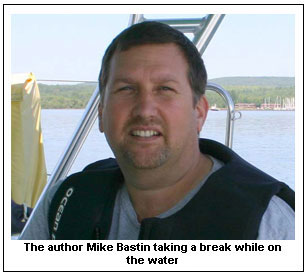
(77, 207)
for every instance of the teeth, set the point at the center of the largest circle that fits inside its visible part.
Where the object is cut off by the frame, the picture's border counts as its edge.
(145, 133)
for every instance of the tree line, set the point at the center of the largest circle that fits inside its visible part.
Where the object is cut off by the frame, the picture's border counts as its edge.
(251, 94)
(242, 89)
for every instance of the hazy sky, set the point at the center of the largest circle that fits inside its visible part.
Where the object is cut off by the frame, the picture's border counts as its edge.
(71, 46)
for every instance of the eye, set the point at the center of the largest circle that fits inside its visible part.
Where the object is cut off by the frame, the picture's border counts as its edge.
(125, 88)
(165, 88)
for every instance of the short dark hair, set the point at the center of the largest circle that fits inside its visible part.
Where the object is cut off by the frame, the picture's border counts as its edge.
(151, 32)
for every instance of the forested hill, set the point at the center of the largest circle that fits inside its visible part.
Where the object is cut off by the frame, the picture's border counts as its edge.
(253, 89)
(65, 96)
(242, 89)
(255, 81)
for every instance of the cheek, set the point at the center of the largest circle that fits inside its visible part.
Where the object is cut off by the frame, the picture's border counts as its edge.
(114, 117)
(182, 120)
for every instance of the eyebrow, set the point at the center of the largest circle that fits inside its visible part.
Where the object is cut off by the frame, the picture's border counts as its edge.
(163, 78)
(124, 80)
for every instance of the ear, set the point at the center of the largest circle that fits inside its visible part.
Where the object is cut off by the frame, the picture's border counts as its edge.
(201, 108)
(100, 123)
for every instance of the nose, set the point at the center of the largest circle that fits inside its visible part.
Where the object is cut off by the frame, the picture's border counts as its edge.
(145, 105)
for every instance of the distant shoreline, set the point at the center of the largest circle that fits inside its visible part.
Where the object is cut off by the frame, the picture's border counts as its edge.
(255, 91)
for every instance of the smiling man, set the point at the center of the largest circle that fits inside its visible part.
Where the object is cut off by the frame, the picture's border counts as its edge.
(165, 183)
(152, 123)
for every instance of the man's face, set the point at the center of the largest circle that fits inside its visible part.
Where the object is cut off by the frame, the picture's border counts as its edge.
(148, 114)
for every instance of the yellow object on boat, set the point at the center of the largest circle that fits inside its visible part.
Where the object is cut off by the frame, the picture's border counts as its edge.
(28, 167)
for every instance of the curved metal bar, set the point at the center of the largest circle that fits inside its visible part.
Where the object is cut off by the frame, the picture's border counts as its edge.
(136, 18)
(66, 161)
(204, 35)
(186, 25)
(230, 111)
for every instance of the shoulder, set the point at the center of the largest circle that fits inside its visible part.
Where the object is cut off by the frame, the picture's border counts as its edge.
(278, 221)
(37, 228)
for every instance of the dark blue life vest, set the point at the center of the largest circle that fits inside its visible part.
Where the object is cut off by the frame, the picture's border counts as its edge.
(229, 206)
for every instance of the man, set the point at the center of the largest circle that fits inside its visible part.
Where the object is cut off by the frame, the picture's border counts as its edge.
(166, 183)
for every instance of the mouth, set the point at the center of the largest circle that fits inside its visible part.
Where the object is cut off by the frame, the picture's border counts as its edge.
(145, 133)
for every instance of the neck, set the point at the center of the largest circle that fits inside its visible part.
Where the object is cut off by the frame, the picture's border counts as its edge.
(153, 192)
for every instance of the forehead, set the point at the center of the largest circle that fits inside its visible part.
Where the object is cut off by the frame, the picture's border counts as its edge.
(156, 58)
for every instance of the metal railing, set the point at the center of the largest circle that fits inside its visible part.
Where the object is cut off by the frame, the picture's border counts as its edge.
(231, 113)
(203, 29)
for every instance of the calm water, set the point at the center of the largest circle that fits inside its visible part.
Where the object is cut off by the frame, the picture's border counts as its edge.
(264, 138)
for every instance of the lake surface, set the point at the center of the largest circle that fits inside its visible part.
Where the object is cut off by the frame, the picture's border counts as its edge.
(264, 138)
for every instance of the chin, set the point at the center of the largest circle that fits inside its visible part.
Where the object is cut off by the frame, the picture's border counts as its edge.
(148, 161)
